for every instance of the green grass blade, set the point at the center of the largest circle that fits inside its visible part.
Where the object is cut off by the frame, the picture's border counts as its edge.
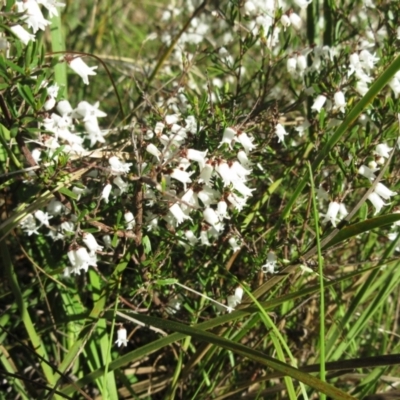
(321, 282)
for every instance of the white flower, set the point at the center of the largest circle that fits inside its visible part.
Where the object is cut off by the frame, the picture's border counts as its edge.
(122, 185)
(206, 173)
(33, 16)
(28, 224)
(383, 150)
(51, 6)
(211, 217)
(36, 155)
(285, 21)
(280, 132)
(237, 201)
(225, 172)
(235, 299)
(152, 149)
(198, 156)
(55, 207)
(42, 217)
(191, 124)
(318, 103)
(208, 195)
(84, 259)
(178, 214)
(64, 108)
(222, 210)
(291, 66)
(242, 188)
(331, 215)
(67, 226)
(367, 172)
(269, 266)
(107, 242)
(91, 242)
(383, 191)
(243, 159)
(368, 60)
(228, 136)
(377, 202)
(343, 213)
(71, 254)
(181, 176)
(234, 244)
(303, 3)
(159, 128)
(246, 142)
(189, 197)
(172, 119)
(118, 167)
(121, 337)
(192, 239)
(295, 21)
(340, 101)
(204, 238)
(82, 69)
(238, 170)
(130, 220)
(105, 194)
(301, 63)
(22, 34)
(87, 111)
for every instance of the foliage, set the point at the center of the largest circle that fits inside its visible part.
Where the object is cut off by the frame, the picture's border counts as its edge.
(190, 195)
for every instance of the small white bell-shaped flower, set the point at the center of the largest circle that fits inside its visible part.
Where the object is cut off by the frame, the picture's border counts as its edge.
(319, 103)
(22, 34)
(340, 101)
(285, 21)
(269, 266)
(129, 220)
(331, 215)
(178, 214)
(105, 194)
(42, 217)
(82, 69)
(235, 299)
(211, 217)
(228, 136)
(246, 142)
(55, 207)
(291, 66)
(118, 167)
(296, 21)
(192, 239)
(377, 202)
(233, 242)
(384, 191)
(383, 150)
(280, 132)
(367, 172)
(152, 149)
(121, 337)
(91, 242)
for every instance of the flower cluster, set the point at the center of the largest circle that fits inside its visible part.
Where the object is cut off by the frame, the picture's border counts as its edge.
(380, 192)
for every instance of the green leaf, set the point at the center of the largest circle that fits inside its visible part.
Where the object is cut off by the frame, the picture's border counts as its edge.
(68, 193)
(26, 94)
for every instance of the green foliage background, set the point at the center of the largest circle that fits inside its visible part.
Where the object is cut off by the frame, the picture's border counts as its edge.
(325, 324)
